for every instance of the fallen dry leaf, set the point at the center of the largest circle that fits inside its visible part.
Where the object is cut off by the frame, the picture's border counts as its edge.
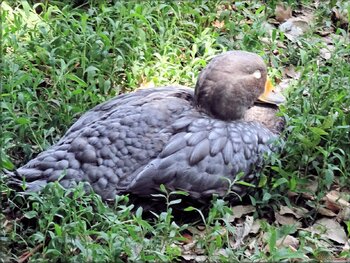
(326, 212)
(338, 260)
(291, 31)
(190, 246)
(191, 251)
(344, 214)
(325, 32)
(340, 16)
(286, 210)
(291, 194)
(218, 24)
(145, 84)
(195, 258)
(325, 53)
(201, 228)
(284, 84)
(242, 230)
(332, 38)
(268, 28)
(285, 241)
(221, 252)
(225, 7)
(25, 256)
(7, 226)
(296, 26)
(298, 212)
(346, 247)
(330, 229)
(312, 184)
(290, 72)
(283, 12)
(252, 244)
(286, 220)
(240, 210)
(197, 230)
(293, 28)
(256, 226)
(335, 203)
(187, 238)
(288, 241)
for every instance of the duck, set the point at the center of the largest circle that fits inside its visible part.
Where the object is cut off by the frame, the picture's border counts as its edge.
(195, 140)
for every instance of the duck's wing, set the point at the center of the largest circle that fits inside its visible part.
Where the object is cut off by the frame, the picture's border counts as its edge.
(133, 99)
(109, 143)
(205, 156)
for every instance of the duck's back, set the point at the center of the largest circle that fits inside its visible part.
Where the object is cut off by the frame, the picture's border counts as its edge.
(111, 143)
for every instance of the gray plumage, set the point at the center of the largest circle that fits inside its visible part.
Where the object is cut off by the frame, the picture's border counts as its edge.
(169, 135)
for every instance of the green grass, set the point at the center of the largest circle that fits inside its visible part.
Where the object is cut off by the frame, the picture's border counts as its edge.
(60, 62)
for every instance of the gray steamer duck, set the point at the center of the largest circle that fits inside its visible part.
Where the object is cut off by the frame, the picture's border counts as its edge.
(185, 139)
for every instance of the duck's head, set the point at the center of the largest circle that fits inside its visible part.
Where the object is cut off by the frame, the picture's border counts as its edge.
(231, 83)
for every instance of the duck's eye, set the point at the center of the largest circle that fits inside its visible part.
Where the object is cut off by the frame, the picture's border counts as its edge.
(257, 74)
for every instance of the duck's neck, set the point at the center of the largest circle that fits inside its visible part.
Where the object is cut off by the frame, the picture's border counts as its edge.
(222, 104)
(222, 108)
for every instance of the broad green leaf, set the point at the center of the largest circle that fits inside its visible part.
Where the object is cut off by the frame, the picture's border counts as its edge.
(262, 181)
(318, 131)
(30, 214)
(23, 120)
(279, 182)
(189, 209)
(245, 183)
(266, 197)
(77, 80)
(174, 202)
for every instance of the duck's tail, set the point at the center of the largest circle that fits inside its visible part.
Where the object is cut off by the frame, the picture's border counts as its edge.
(23, 181)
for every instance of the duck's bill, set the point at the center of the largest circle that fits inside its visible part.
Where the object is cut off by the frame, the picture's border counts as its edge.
(271, 95)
